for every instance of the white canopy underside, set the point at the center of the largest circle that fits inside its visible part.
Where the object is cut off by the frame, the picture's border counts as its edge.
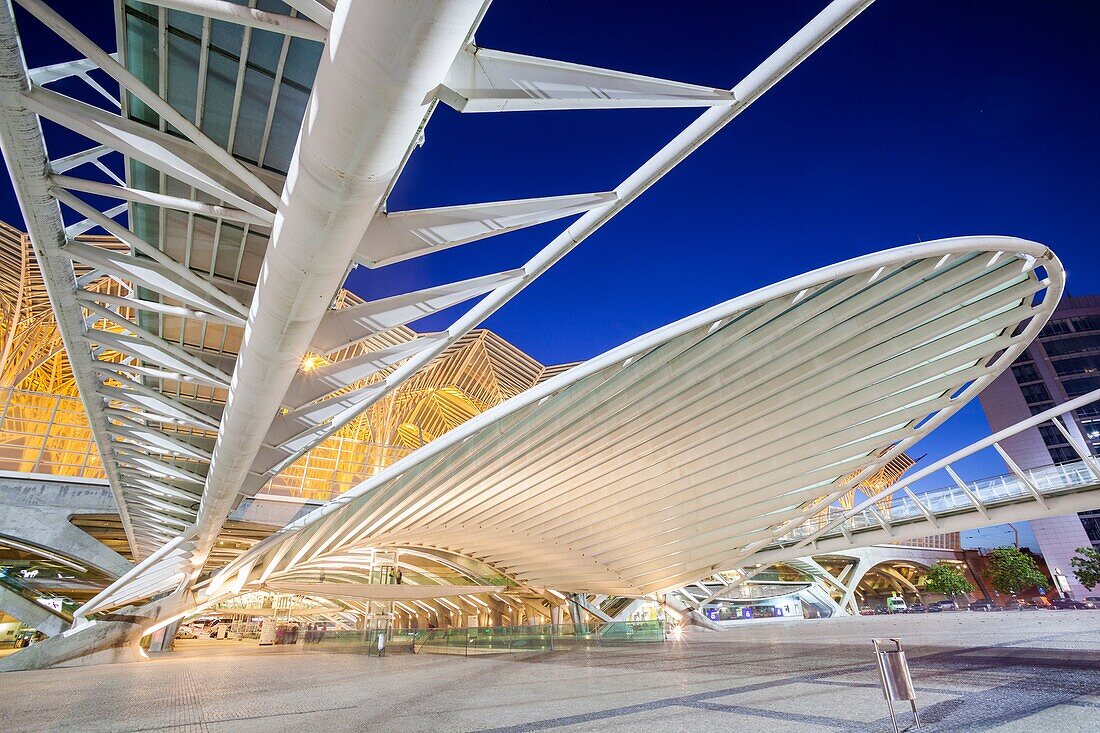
(684, 450)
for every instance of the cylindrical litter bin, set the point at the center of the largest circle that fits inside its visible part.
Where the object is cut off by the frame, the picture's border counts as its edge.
(897, 683)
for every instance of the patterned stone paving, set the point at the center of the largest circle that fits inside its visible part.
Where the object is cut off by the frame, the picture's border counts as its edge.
(1037, 671)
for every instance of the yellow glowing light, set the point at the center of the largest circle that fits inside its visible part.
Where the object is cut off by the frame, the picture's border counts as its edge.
(311, 362)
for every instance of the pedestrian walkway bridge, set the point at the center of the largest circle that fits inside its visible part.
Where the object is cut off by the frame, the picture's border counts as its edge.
(899, 513)
(973, 498)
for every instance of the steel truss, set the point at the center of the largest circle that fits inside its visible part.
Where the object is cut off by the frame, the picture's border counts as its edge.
(184, 429)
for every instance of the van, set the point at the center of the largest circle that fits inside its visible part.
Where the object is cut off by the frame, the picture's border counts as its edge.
(895, 605)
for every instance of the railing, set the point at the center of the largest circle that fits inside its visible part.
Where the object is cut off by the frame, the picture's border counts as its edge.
(989, 492)
(754, 592)
(538, 638)
(386, 575)
(361, 641)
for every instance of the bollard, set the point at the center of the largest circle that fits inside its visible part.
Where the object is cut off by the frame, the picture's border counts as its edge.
(897, 684)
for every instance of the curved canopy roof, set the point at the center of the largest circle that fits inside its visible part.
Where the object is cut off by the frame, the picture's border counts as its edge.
(686, 449)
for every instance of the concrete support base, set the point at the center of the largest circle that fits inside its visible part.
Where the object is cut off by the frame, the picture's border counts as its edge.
(113, 638)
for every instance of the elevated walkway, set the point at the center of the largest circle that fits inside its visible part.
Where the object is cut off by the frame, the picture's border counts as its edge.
(1047, 491)
(898, 513)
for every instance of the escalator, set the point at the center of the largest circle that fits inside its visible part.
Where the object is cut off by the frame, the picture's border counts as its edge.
(615, 605)
(29, 604)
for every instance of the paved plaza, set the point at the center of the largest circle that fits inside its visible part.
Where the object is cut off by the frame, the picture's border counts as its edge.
(1026, 671)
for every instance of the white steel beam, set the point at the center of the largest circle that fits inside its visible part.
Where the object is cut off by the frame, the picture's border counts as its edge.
(370, 98)
(251, 17)
(25, 155)
(129, 81)
(343, 327)
(91, 296)
(797, 49)
(315, 384)
(314, 10)
(1022, 477)
(397, 236)
(91, 155)
(494, 81)
(126, 193)
(152, 275)
(174, 156)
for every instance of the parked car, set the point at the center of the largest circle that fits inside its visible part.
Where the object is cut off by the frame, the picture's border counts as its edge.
(944, 605)
(1094, 600)
(1041, 602)
(895, 605)
(186, 632)
(986, 606)
(1071, 604)
(918, 608)
(866, 612)
(1018, 604)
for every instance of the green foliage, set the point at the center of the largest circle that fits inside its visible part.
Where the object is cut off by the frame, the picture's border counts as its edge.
(946, 579)
(1011, 571)
(1086, 566)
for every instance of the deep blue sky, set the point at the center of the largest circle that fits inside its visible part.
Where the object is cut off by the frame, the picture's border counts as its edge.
(918, 121)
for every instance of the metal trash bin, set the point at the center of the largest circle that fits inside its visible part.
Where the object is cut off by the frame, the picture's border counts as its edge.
(897, 683)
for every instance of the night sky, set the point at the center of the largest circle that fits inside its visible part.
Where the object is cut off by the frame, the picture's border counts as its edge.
(918, 121)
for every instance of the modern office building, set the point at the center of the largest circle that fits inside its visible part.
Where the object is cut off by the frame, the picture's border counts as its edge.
(1062, 363)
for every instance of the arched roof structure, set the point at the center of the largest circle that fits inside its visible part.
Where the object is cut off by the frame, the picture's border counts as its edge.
(680, 452)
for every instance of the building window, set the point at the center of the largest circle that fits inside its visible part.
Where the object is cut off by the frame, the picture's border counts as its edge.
(1071, 345)
(1078, 387)
(1063, 454)
(1076, 365)
(1036, 393)
(1054, 328)
(1052, 436)
(1086, 323)
(1025, 373)
(1091, 522)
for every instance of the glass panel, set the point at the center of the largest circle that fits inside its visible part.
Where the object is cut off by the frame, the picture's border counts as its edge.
(289, 111)
(252, 116)
(217, 107)
(141, 59)
(301, 62)
(183, 74)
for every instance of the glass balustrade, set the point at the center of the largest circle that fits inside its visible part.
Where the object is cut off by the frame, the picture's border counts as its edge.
(494, 639)
(992, 491)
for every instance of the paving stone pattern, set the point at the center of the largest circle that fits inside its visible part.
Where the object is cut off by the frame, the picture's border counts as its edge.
(1026, 671)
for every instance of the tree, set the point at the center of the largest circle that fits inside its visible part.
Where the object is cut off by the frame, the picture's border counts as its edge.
(1011, 571)
(946, 579)
(1086, 566)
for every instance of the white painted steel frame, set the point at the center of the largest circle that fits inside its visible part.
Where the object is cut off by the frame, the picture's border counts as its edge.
(820, 29)
(245, 421)
(24, 152)
(487, 489)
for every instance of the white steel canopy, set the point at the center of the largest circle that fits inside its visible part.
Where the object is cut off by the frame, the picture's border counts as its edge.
(252, 152)
(680, 452)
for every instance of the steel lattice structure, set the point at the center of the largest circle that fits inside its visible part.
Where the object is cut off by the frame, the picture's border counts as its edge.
(246, 165)
(43, 428)
(707, 451)
(200, 192)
